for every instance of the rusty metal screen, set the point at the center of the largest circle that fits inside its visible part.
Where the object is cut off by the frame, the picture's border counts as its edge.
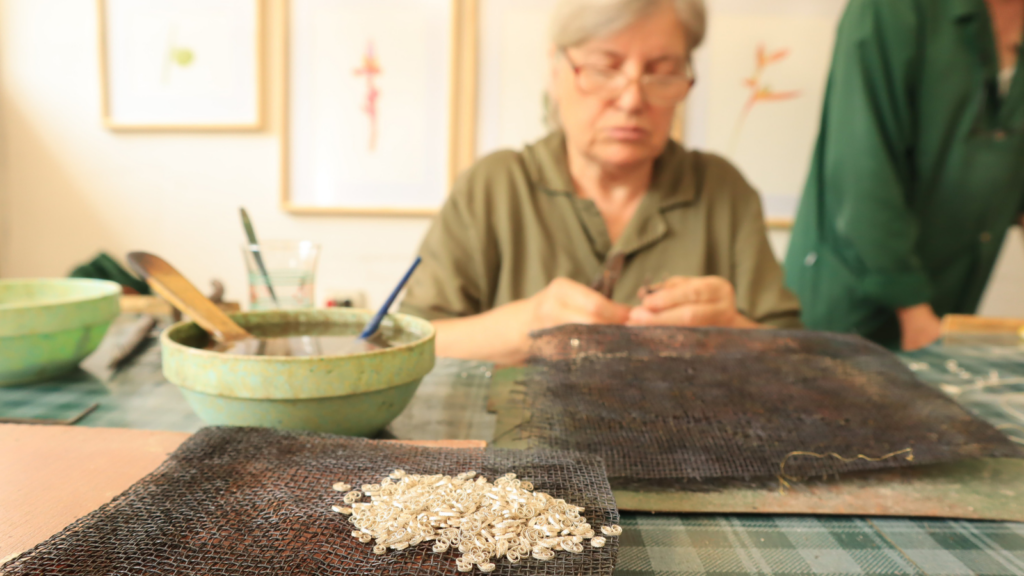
(258, 501)
(700, 408)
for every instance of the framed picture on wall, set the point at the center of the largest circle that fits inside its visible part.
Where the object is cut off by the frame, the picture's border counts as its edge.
(181, 64)
(761, 78)
(371, 112)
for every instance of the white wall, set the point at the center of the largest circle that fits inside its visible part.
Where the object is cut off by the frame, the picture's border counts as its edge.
(1005, 293)
(71, 188)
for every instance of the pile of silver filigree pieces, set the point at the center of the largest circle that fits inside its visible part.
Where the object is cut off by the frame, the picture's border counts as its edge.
(483, 521)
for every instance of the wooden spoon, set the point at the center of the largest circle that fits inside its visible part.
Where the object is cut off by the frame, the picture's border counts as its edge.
(169, 283)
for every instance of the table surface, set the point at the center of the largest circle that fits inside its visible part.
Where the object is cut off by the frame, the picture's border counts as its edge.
(54, 475)
(450, 404)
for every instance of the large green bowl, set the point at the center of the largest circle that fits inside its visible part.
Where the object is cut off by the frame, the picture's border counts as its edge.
(355, 395)
(47, 325)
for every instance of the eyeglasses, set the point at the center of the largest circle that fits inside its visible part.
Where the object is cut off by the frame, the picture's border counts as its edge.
(610, 83)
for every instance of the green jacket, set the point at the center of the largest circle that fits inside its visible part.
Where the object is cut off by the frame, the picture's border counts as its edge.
(918, 169)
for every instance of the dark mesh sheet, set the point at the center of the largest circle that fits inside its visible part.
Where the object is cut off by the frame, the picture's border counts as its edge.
(258, 501)
(704, 407)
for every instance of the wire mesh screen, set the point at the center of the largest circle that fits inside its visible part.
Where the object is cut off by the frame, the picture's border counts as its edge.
(707, 407)
(258, 501)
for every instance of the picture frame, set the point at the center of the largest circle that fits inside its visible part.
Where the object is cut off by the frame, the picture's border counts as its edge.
(387, 136)
(181, 65)
(761, 79)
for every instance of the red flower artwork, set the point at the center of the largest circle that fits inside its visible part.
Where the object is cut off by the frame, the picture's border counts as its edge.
(759, 90)
(370, 69)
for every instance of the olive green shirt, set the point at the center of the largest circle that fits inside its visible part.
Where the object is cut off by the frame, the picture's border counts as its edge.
(513, 224)
(918, 170)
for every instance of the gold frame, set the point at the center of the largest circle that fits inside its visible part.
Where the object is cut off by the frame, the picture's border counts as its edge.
(461, 121)
(110, 124)
(465, 51)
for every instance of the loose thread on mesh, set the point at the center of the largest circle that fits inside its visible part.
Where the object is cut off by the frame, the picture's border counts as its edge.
(1012, 427)
(783, 477)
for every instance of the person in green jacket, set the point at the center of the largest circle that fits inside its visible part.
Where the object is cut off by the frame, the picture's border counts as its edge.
(918, 170)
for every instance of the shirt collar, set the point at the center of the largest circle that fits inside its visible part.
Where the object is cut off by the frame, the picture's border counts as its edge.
(673, 181)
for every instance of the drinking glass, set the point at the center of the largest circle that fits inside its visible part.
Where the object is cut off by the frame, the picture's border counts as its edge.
(291, 265)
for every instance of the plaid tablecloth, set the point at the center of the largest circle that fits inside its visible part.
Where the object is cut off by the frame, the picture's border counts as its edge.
(987, 380)
(676, 545)
(137, 397)
(450, 403)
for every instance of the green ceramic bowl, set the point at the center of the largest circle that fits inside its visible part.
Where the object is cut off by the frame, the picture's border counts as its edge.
(355, 395)
(48, 325)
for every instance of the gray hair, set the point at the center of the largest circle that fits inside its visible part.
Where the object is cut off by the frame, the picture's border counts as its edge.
(576, 21)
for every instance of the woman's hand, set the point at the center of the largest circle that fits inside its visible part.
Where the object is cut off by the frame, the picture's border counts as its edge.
(919, 326)
(566, 301)
(502, 335)
(690, 301)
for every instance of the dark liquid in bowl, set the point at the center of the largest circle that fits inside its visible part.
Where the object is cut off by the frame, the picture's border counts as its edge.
(280, 342)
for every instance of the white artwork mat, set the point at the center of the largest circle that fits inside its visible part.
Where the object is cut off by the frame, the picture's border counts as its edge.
(182, 63)
(770, 137)
(513, 73)
(361, 143)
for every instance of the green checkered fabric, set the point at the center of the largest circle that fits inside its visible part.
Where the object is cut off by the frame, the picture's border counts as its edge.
(136, 397)
(674, 545)
(958, 547)
(987, 380)
(679, 545)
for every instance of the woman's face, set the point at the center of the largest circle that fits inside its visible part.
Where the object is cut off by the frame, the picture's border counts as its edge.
(626, 128)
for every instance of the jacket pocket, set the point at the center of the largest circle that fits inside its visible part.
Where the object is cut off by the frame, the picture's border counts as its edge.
(830, 294)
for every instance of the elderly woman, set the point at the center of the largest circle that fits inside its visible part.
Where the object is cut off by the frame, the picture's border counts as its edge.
(523, 234)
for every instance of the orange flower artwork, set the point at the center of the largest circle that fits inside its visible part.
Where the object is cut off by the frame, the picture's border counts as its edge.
(370, 69)
(760, 91)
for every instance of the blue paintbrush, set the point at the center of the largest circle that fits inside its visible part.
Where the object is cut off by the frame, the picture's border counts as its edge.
(374, 325)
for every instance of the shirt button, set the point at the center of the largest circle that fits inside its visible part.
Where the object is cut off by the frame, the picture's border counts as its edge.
(999, 135)
(811, 259)
(985, 237)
